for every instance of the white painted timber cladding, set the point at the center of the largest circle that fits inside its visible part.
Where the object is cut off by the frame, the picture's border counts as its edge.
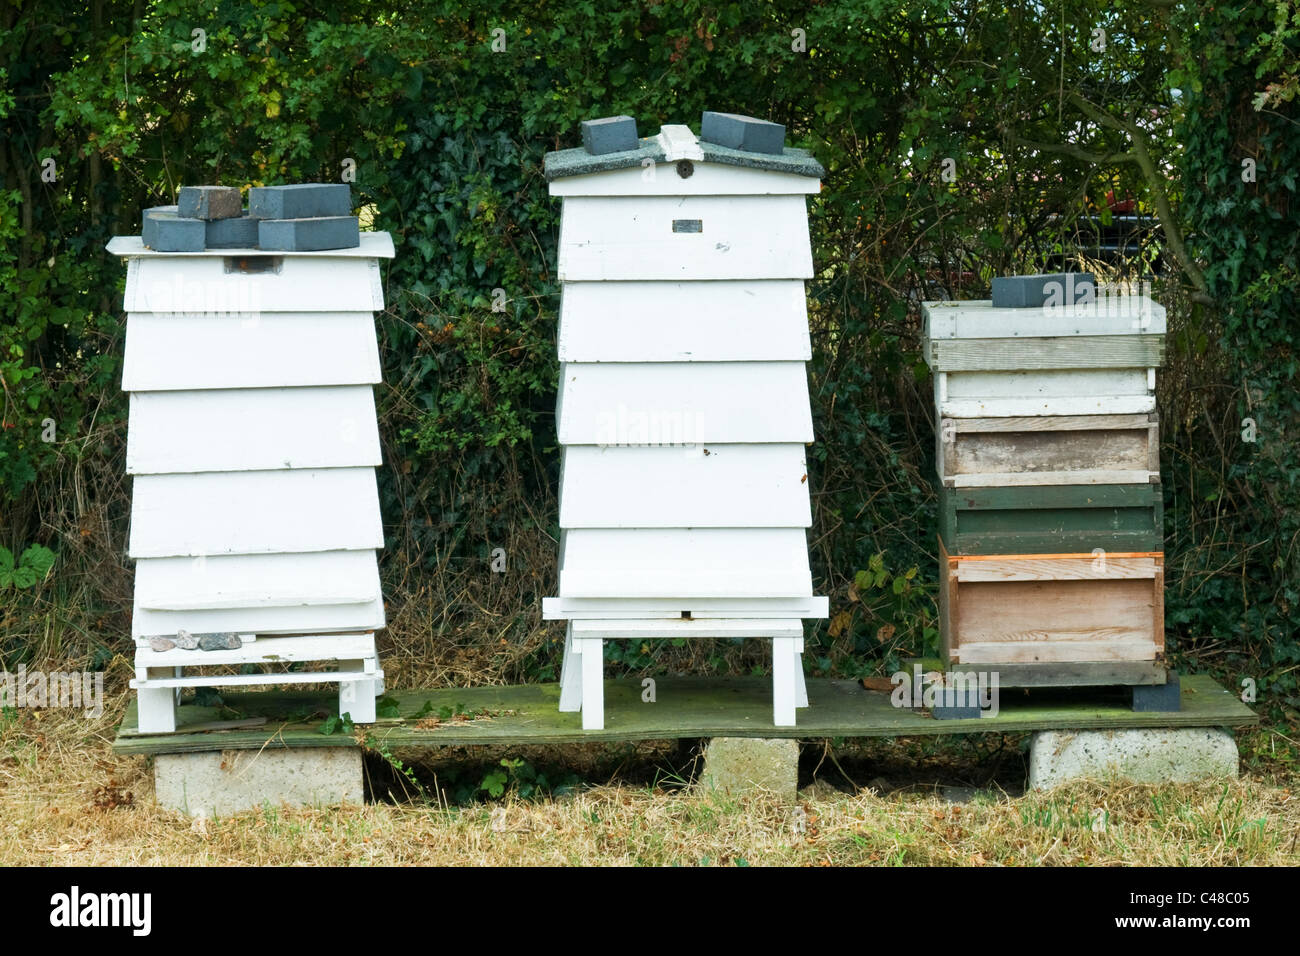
(741, 237)
(755, 320)
(255, 512)
(170, 351)
(683, 403)
(722, 486)
(1108, 391)
(193, 285)
(1107, 315)
(252, 429)
(598, 609)
(685, 563)
(258, 593)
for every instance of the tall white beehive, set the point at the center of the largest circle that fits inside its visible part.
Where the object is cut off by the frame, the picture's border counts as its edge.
(253, 442)
(683, 407)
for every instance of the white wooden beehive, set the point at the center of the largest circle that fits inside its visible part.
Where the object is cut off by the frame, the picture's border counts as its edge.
(252, 441)
(1093, 359)
(683, 409)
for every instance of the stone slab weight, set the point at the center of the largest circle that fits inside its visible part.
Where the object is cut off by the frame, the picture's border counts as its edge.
(168, 232)
(611, 134)
(210, 202)
(308, 235)
(742, 132)
(1030, 292)
(300, 201)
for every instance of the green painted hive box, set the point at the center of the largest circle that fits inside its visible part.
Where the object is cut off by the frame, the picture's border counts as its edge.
(1038, 519)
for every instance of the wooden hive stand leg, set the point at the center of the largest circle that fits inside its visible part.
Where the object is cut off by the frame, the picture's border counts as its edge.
(591, 652)
(357, 697)
(785, 659)
(570, 674)
(800, 685)
(155, 706)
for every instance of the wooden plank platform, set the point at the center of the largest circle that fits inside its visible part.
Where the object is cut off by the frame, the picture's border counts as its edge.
(685, 707)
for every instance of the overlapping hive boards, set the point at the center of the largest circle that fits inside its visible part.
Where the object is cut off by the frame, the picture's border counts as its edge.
(683, 408)
(1047, 451)
(252, 441)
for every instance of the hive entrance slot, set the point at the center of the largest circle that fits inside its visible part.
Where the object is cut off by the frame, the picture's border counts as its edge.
(253, 265)
(688, 225)
(686, 615)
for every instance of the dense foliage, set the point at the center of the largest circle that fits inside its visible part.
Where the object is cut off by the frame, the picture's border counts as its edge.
(962, 140)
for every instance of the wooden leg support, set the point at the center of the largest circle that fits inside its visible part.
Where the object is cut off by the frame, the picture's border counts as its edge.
(155, 706)
(357, 697)
(591, 652)
(570, 675)
(785, 661)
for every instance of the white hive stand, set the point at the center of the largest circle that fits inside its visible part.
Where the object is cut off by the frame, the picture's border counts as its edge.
(253, 442)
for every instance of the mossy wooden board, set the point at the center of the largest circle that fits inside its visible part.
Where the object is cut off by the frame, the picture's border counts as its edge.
(684, 707)
(1056, 518)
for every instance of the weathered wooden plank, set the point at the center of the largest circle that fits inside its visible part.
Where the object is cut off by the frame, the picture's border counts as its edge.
(1088, 449)
(668, 563)
(738, 237)
(683, 403)
(1105, 567)
(1018, 354)
(169, 351)
(212, 283)
(1115, 644)
(695, 707)
(302, 647)
(1109, 314)
(213, 513)
(1073, 674)
(725, 486)
(705, 179)
(251, 429)
(1039, 392)
(1033, 519)
(684, 321)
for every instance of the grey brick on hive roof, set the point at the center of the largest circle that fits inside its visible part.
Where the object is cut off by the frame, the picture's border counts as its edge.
(168, 232)
(144, 216)
(210, 202)
(746, 133)
(308, 235)
(1032, 292)
(300, 201)
(240, 233)
(610, 134)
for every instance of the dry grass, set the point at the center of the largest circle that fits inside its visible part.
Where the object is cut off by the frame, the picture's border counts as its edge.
(65, 798)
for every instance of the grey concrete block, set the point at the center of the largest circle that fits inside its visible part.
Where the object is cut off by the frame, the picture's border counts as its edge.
(300, 201)
(611, 134)
(144, 216)
(1164, 697)
(1174, 755)
(168, 232)
(221, 782)
(308, 235)
(1025, 292)
(742, 765)
(210, 202)
(240, 233)
(742, 132)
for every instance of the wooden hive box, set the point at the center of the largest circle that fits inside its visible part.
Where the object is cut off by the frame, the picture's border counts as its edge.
(1048, 450)
(252, 442)
(1095, 359)
(1054, 618)
(683, 409)
(1030, 519)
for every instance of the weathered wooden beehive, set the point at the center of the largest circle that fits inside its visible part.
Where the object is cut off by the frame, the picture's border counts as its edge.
(683, 407)
(252, 443)
(1051, 540)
